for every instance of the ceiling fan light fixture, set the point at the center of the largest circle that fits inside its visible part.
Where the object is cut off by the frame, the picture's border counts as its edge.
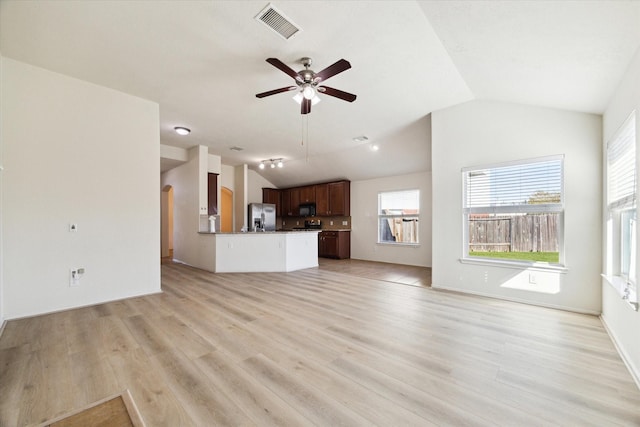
(181, 130)
(308, 91)
(298, 97)
(273, 165)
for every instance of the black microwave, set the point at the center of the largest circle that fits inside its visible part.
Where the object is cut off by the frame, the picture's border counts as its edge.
(307, 209)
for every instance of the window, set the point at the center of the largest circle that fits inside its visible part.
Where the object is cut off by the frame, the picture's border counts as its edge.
(398, 215)
(514, 211)
(621, 211)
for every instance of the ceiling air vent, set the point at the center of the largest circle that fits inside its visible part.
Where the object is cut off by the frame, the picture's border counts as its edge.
(279, 23)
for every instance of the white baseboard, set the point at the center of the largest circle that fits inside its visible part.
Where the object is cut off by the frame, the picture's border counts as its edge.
(518, 300)
(623, 355)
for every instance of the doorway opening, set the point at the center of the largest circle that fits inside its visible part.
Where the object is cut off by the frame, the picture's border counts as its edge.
(226, 210)
(166, 223)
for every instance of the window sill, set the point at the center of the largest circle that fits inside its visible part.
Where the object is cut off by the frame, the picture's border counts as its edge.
(620, 285)
(518, 265)
(413, 245)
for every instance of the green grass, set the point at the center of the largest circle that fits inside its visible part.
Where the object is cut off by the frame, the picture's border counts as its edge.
(550, 257)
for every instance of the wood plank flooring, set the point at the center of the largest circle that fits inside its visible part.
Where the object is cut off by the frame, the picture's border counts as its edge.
(321, 346)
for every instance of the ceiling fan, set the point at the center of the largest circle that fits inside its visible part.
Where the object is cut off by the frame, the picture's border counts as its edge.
(308, 83)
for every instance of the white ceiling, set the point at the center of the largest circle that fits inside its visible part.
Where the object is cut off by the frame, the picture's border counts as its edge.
(204, 61)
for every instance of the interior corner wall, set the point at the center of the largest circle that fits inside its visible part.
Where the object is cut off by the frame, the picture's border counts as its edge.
(364, 220)
(75, 152)
(622, 322)
(480, 133)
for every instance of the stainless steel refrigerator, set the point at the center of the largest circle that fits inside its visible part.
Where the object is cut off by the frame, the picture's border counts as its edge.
(262, 217)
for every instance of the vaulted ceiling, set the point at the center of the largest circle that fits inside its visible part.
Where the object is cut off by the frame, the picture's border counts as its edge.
(204, 61)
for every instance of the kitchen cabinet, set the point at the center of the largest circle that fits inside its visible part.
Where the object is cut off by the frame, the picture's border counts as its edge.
(308, 194)
(272, 195)
(212, 194)
(334, 244)
(333, 198)
(290, 201)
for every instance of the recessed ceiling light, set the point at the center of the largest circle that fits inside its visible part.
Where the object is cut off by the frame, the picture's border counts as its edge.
(182, 130)
(374, 147)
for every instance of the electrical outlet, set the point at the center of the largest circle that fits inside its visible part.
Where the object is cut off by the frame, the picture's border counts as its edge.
(74, 277)
(345, 222)
(330, 222)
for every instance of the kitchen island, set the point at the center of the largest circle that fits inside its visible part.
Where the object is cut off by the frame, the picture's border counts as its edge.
(257, 252)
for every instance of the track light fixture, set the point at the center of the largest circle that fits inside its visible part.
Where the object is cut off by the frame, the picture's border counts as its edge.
(272, 163)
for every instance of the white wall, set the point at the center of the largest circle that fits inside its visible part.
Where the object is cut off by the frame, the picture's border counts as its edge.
(1, 220)
(255, 183)
(184, 181)
(622, 322)
(364, 220)
(78, 153)
(480, 133)
(227, 177)
(240, 197)
(189, 182)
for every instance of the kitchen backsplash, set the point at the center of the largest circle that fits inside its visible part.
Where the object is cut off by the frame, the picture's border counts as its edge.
(327, 222)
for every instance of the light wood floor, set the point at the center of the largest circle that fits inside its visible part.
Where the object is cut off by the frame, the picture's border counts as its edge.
(316, 347)
(396, 273)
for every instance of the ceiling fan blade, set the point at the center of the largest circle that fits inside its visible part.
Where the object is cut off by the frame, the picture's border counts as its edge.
(275, 91)
(332, 70)
(283, 67)
(305, 106)
(346, 96)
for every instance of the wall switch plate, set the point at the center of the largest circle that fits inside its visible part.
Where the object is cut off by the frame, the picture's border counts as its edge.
(345, 222)
(330, 222)
(73, 227)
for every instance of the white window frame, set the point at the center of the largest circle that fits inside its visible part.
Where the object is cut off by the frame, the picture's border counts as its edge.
(621, 195)
(382, 216)
(522, 208)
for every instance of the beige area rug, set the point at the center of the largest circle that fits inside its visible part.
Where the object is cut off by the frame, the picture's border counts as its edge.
(114, 411)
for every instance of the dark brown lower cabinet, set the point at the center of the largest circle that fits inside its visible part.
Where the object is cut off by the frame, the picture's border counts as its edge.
(334, 244)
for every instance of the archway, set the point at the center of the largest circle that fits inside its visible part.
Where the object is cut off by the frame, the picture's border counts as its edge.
(226, 210)
(166, 223)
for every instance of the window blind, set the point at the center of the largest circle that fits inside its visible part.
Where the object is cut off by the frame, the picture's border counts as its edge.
(533, 184)
(399, 202)
(621, 167)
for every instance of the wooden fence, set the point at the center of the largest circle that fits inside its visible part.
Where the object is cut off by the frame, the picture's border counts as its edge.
(514, 233)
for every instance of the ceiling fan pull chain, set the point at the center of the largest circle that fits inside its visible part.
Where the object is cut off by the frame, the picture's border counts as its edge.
(306, 126)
